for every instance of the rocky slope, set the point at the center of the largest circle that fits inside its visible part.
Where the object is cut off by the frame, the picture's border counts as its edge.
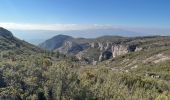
(102, 48)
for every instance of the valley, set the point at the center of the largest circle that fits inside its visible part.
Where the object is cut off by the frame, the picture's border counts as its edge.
(68, 68)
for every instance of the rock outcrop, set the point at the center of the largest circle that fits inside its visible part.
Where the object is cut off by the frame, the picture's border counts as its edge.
(101, 45)
(112, 51)
(119, 50)
(93, 45)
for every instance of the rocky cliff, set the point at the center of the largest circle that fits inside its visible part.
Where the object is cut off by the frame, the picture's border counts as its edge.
(98, 49)
(111, 49)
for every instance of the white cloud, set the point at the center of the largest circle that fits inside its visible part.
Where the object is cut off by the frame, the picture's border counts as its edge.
(68, 27)
(55, 27)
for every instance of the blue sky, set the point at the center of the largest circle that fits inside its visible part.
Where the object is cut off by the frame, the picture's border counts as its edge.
(136, 16)
(135, 13)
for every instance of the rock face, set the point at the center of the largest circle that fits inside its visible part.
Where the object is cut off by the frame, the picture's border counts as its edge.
(101, 46)
(119, 50)
(108, 45)
(112, 51)
(94, 45)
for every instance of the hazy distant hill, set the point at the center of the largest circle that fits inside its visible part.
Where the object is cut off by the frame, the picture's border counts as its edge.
(55, 42)
(36, 36)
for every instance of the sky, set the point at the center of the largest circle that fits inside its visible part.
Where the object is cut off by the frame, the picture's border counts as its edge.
(64, 15)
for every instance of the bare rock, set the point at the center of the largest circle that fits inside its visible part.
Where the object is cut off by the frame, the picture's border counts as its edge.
(119, 50)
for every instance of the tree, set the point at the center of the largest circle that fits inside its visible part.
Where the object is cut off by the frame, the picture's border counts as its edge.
(62, 79)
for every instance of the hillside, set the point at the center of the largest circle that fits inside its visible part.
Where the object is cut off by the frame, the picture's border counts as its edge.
(9, 42)
(120, 68)
(64, 44)
(12, 48)
(102, 48)
(126, 68)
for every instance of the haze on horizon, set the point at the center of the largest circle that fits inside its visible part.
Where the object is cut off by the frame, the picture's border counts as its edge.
(42, 19)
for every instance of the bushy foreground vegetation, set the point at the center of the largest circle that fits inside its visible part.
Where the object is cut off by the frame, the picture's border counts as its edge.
(56, 77)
